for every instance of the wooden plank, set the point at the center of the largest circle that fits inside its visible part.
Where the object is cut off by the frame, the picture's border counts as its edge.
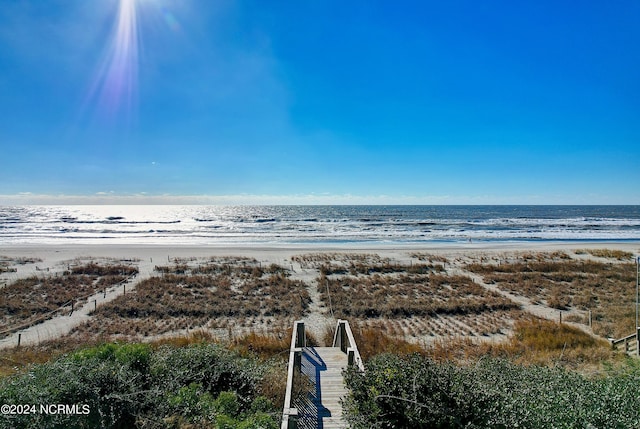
(323, 366)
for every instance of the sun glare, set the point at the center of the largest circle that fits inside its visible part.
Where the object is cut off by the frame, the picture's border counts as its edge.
(113, 93)
(115, 85)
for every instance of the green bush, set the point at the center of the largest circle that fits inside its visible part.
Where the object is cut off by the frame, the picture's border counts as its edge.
(133, 385)
(193, 403)
(415, 392)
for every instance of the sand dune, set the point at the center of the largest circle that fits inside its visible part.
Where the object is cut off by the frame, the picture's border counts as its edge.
(52, 260)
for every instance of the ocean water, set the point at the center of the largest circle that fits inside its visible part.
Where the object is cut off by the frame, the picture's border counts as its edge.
(220, 225)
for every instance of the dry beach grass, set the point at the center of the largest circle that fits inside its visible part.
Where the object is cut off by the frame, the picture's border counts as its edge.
(37, 297)
(454, 303)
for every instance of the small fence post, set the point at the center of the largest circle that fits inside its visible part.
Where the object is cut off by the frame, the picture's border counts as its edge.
(590, 319)
(637, 340)
(95, 304)
(19, 339)
(561, 317)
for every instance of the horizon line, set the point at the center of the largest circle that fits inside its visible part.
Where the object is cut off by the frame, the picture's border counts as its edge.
(110, 198)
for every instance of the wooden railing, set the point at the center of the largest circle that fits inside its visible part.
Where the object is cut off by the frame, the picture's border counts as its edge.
(298, 341)
(343, 338)
(628, 344)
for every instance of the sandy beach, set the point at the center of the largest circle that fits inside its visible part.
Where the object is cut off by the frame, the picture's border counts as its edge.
(48, 260)
(53, 254)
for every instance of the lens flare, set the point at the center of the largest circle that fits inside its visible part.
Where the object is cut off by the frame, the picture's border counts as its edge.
(115, 86)
(170, 20)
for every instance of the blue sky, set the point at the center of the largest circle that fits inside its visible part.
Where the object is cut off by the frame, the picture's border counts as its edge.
(456, 102)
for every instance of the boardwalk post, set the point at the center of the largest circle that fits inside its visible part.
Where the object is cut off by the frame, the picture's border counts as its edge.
(351, 356)
(301, 340)
(292, 419)
(337, 339)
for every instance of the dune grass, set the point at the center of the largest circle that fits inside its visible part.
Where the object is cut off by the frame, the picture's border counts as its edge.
(620, 255)
(30, 299)
(213, 295)
(605, 288)
(414, 299)
(534, 342)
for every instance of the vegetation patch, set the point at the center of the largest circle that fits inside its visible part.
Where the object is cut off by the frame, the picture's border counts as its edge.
(533, 342)
(35, 298)
(7, 264)
(407, 295)
(418, 392)
(605, 288)
(372, 342)
(410, 300)
(139, 386)
(202, 296)
(619, 255)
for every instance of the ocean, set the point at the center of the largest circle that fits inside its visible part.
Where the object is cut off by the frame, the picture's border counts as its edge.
(273, 225)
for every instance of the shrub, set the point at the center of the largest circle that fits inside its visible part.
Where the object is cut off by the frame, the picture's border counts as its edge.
(416, 392)
(196, 405)
(131, 385)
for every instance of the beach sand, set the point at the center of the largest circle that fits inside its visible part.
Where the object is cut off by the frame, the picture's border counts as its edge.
(56, 259)
(52, 256)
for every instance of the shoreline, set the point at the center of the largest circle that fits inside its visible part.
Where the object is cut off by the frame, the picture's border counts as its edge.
(183, 250)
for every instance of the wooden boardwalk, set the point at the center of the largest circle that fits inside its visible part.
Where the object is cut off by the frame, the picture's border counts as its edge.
(320, 368)
(323, 366)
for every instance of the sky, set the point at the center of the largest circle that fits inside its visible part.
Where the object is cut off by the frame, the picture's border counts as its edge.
(319, 102)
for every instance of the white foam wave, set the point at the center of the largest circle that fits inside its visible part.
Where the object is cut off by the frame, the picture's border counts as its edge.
(203, 225)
